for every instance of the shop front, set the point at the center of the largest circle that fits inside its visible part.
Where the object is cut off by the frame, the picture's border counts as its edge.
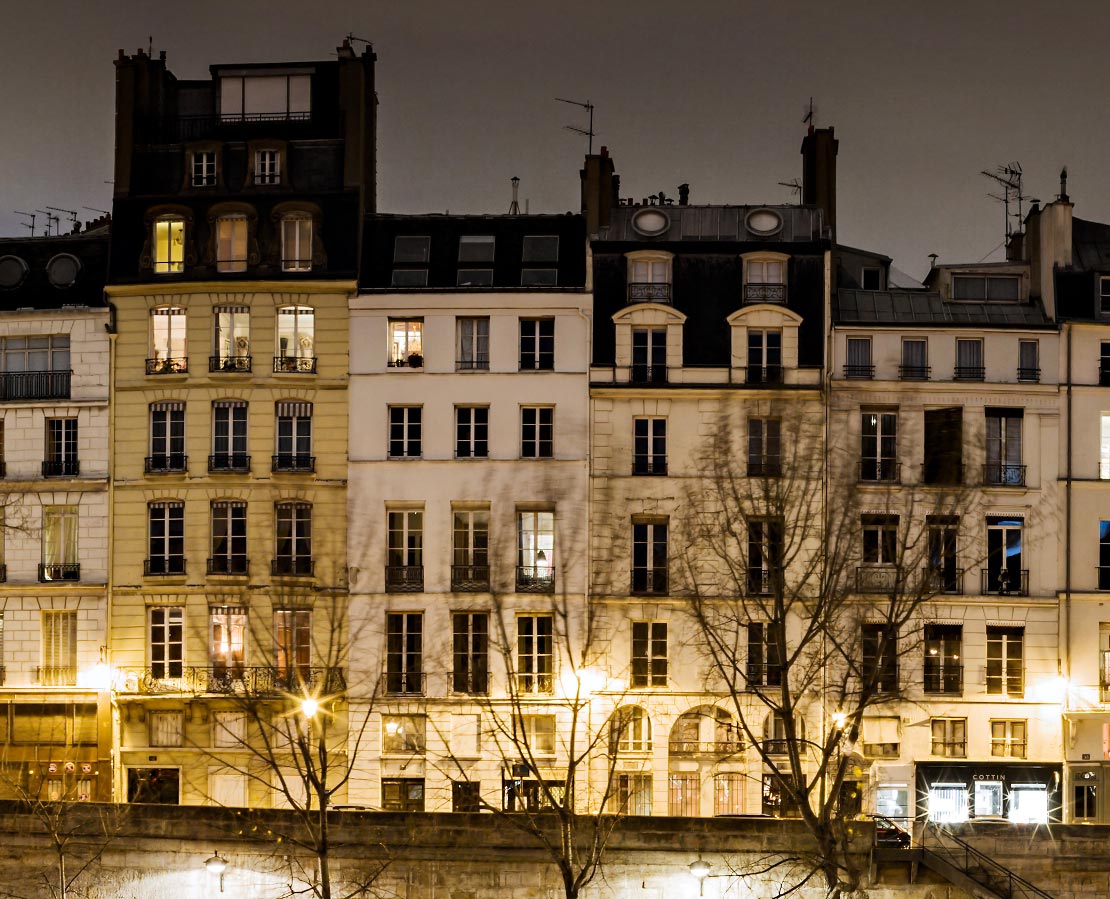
(989, 791)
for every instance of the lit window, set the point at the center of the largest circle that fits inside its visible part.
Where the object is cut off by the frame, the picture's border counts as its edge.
(949, 737)
(632, 794)
(204, 168)
(296, 340)
(169, 245)
(1008, 739)
(59, 544)
(296, 243)
(1104, 446)
(630, 730)
(293, 547)
(880, 736)
(404, 734)
(231, 337)
(402, 794)
(406, 342)
(231, 243)
(227, 632)
(293, 645)
(267, 167)
(537, 732)
(534, 660)
(1005, 660)
(536, 552)
(59, 649)
(167, 336)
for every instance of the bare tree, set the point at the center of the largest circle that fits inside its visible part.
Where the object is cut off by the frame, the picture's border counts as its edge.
(806, 577)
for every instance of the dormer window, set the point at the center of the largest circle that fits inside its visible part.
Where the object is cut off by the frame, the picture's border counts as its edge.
(296, 242)
(267, 167)
(259, 97)
(989, 288)
(475, 250)
(649, 278)
(169, 245)
(1104, 295)
(204, 168)
(765, 279)
(231, 243)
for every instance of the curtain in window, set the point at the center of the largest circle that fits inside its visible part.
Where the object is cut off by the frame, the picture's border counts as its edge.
(59, 535)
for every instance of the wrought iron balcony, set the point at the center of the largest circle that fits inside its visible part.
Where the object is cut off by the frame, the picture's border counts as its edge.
(649, 580)
(941, 580)
(648, 292)
(240, 364)
(470, 578)
(864, 372)
(228, 126)
(305, 365)
(35, 385)
(231, 565)
(61, 468)
(59, 571)
(880, 471)
(166, 463)
(474, 682)
(56, 676)
(914, 372)
(291, 566)
(535, 579)
(404, 578)
(1004, 582)
(764, 293)
(1003, 474)
(943, 678)
(229, 679)
(764, 374)
(162, 566)
(878, 579)
(969, 373)
(650, 465)
(704, 747)
(293, 462)
(229, 462)
(402, 683)
(174, 365)
(1028, 374)
(643, 373)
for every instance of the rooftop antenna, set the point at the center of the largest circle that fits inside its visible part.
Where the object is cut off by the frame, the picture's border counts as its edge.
(795, 187)
(30, 224)
(72, 213)
(514, 206)
(810, 117)
(1009, 176)
(52, 221)
(94, 209)
(353, 37)
(585, 132)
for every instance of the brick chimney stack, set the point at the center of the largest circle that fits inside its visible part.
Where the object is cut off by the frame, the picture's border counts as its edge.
(819, 173)
(599, 190)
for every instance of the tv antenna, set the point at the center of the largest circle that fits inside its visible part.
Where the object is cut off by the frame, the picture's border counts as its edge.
(30, 224)
(94, 209)
(795, 188)
(585, 132)
(353, 37)
(52, 221)
(1009, 177)
(72, 213)
(810, 118)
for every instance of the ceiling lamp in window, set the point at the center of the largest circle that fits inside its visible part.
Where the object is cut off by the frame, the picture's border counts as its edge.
(650, 222)
(12, 272)
(764, 222)
(62, 270)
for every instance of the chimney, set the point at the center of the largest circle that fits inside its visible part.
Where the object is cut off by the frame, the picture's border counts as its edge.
(819, 173)
(684, 194)
(599, 190)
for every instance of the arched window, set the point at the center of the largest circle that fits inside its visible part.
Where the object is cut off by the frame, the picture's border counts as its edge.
(169, 245)
(296, 242)
(231, 243)
(630, 730)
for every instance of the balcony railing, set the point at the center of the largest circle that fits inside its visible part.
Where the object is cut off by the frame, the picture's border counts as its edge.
(704, 747)
(969, 372)
(402, 683)
(860, 372)
(61, 468)
(229, 462)
(1028, 374)
(161, 566)
(943, 679)
(185, 128)
(1003, 474)
(56, 676)
(175, 365)
(1004, 582)
(231, 565)
(472, 364)
(644, 292)
(939, 580)
(649, 580)
(229, 363)
(764, 466)
(229, 679)
(291, 566)
(404, 578)
(60, 571)
(35, 385)
(647, 374)
(764, 293)
(1103, 577)
(470, 578)
(166, 463)
(652, 465)
(535, 579)
(470, 682)
(877, 578)
(292, 462)
(914, 372)
(1004, 680)
(881, 471)
(305, 365)
(764, 374)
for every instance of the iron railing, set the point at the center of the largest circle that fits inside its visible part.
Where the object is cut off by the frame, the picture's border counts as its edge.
(882, 471)
(470, 578)
(859, 371)
(472, 364)
(173, 677)
(764, 293)
(1028, 374)
(35, 385)
(645, 292)
(402, 683)
(185, 128)
(165, 463)
(60, 571)
(291, 566)
(942, 677)
(535, 579)
(305, 365)
(760, 581)
(174, 365)
(914, 372)
(1005, 582)
(160, 566)
(1003, 474)
(292, 462)
(229, 462)
(56, 676)
(61, 468)
(969, 372)
(764, 374)
(229, 363)
(654, 465)
(704, 747)
(643, 373)
(474, 682)
(1003, 680)
(940, 580)
(878, 578)
(228, 565)
(938, 842)
(404, 578)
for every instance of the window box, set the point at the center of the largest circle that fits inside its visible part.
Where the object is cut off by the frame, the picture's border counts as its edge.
(229, 363)
(65, 571)
(293, 462)
(470, 578)
(165, 463)
(163, 566)
(61, 468)
(177, 365)
(35, 385)
(291, 566)
(404, 578)
(1005, 582)
(303, 365)
(229, 462)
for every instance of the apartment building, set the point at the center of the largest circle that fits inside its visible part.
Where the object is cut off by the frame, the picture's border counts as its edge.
(55, 727)
(467, 504)
(237, 210)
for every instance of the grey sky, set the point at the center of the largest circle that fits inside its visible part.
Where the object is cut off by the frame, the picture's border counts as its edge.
(922, 95)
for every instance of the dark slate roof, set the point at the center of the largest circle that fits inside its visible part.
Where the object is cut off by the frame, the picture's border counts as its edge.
(36, 291)
(715, 223)
(915, 307)
(1090, 245)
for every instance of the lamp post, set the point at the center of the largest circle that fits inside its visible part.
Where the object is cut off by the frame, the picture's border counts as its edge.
(216, 865)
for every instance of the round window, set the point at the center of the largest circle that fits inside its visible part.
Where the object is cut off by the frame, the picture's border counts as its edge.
(650, 222)
(764, 222)
(62, 270)
(12, 272)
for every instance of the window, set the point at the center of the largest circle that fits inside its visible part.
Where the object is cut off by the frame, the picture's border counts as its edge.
(167, 728)
(986, 287)
(470, 559)
(293, 645)
(466, 796)
(293, 544)
(1104, 446)
(537, 432)
(1104, 295)
(472, 344)
(166, 538)
(879, 573)
(632, 794)
(649, 654)
(167, 642)
(34, 367)
(1104, 555)
(1005, 660)
(535, 552)
(61, 448)
(649, 446)
(683, 795)
(475, 249)
(296, 340)
(227, 629)
(1029, 367)
(265, 97)
(879, 670)
(267, 167)
(232, 340)
(231, 243)
(534, 654)
(404, 663)
(296, 242)
(204, 168)
(540, 249)
(470, 652)
(404, 431)
(402, 794)
(881, 736)
(764, 281)
(167, 334)
(915, 360)
(765, 550)
(943, 446)
(229, 728)
(764, 357)
(775, 736)
(629, 730)
(229, 437)
(1003, 466)
(59, 544)
(229, 538)
(764, 447)
(649, 356)
(406, 343)
(879, 446)
(537, 344)
(410, 261)
(1004, 574)
(649, 280)
(943, 575)
(944, 670)
(950, 737)
(169, 245)
(59, 649)
(405, 734)
(764, 662)
(859, 363)
(161, 786)
(649, 557)
(537, 732)
(404, 571)
(969, 360)
(1084, 803)
(167, 437)
(1104, 365)
(471, 432)
(1008, 739)
(293, 437)
(871, 278)
(728, 793)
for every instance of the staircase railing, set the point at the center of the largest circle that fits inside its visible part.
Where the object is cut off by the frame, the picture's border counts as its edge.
(977, 866)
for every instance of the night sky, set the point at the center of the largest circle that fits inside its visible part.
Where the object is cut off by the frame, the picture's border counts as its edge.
(922, 95)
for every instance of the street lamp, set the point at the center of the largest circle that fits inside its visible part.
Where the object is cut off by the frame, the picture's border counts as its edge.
(309, 707)
(216, 865)
(700, 869)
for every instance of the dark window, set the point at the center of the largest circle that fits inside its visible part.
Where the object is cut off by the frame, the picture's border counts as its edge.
(880, 657)
(880, 539)
(1005, 574)
(476, 248)
(537, 432)
(294, 437)
(471, 432)
(1104, 555)
(764, 662)
(470, 671)
(985, 287)
(1003, 465)
(943, 446)
(293, 644)
(944, 670)
(649, 557)
(944, 576)
(915, 360)
(764, 357)
(541, 248)
(229, 436)
(404, 431)
(229, 538)
(293, 545)
(166, 538)
(534, 660)
(537, 344)
(858, 363)
(764, 447)
(969, 360)
(649, 355)
(1029, 365)
(61, 448)
(539, 277)
(411, 249)
(1104, 295)
(765, 550)
(404, 660)
(470, 560)
(472, 344)
(872, 278)
(405, 551)
(1104, 365)
(402, 794)
(879, 446)
(159, 786)
(466, 796)
(649, 446)
(649, 654)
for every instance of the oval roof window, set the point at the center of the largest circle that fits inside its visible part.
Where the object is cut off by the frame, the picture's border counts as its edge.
(62, 270)
(650, 222)
(12, 272)
(764, 222)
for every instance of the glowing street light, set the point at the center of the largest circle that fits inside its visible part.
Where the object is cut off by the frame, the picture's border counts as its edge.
(309, 707)
(216, 865)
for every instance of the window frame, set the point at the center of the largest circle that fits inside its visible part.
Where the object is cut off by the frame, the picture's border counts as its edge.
(166, 632)
(293, 645)
(648, 668)
(232, 242)
(294, 517)
(227, 642)
(533, 443)
(203, 168)
(167, 251)
(303, 337)
(472, 350)
(537, 343)
(406, 343)
(171, 355)
(953, 737)
(1009, 738)
(267, 167)
(301, 227)
(535, 654)
(471, 432)
(228, 531)
(650, 556)
(404, 655)
(165, 549)
(405, 432)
